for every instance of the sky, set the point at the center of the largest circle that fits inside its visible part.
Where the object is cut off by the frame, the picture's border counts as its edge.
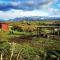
(10, 9)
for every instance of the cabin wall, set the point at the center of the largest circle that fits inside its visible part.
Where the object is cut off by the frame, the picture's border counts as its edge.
(5, 27)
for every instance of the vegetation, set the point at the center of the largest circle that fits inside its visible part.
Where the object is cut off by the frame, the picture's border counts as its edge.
(39, 49)
(33, 47)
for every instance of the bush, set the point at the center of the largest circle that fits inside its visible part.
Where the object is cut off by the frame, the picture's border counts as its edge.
(17, 28)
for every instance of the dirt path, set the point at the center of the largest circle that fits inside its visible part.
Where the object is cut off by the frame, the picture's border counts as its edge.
(29, 38)
(22, 39)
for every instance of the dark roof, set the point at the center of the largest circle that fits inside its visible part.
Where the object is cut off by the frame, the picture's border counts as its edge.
(3, 23)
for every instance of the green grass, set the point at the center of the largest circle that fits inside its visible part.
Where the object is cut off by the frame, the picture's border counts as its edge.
(27, 51)
(37, 49)
(5, 36)
(47, 43)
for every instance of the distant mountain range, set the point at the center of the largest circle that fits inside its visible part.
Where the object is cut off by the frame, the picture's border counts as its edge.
(32, 18)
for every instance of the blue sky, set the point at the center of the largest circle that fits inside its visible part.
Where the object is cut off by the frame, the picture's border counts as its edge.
(10, 9)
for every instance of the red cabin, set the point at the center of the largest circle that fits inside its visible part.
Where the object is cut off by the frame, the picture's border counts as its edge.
(4, 26)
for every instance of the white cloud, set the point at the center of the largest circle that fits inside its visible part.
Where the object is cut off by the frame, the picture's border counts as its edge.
(20, 13)
(25, 4)
(55, 11)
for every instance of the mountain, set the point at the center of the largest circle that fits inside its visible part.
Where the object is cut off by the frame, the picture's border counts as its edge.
(36, 18)
(32, 18)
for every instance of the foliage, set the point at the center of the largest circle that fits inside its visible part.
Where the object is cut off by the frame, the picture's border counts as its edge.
(37, 49)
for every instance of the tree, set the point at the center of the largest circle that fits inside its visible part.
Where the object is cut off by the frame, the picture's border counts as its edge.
(16, 28)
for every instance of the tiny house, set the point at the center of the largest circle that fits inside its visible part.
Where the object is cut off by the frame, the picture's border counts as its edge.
(4, 26)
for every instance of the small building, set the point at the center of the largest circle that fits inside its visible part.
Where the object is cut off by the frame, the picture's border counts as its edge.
(4, 26)
(48, 35)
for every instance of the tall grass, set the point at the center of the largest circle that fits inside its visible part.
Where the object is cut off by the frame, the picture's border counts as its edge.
(26, 51)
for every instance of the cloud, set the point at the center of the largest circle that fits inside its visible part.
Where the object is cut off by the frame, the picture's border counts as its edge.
(24, 4)
(19, 8)
(20, 13)
(55, 11)
(48, 5)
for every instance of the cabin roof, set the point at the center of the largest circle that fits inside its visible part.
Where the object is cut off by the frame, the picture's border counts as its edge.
(3, 23)
(48, 26)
